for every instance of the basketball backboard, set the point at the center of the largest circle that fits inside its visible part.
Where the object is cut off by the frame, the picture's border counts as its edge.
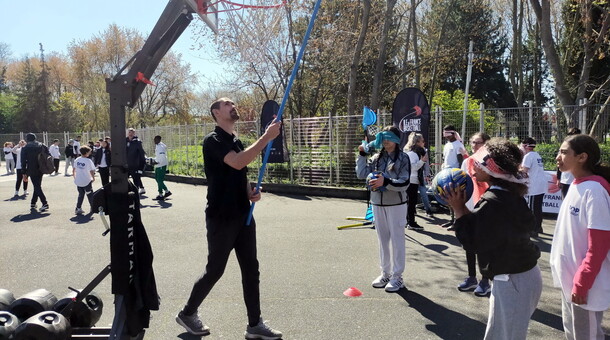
(206, 11)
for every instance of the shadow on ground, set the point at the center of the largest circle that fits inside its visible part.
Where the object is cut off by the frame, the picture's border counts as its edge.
(446, 323)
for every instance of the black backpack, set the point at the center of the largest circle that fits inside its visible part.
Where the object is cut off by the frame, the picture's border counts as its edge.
(45, 161)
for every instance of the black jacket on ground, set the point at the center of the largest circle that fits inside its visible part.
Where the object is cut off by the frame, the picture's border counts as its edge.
(498, 231)
(136, 157)
(29, 158)
(97, 158)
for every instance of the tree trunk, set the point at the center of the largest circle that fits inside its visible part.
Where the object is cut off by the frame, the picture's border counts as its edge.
(437, 50)
(590, 45)
(513, 58)
(405, 60)
(353, 72)
(536, 69)
(415, 44)
(383, 44)
(543, 15)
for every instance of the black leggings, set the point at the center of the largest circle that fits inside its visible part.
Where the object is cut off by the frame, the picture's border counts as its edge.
(535, 203)
(19, 180)
(412, 191)
(471, 261)
(104, 175)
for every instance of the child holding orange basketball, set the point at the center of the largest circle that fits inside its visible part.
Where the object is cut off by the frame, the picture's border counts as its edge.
(498, 231)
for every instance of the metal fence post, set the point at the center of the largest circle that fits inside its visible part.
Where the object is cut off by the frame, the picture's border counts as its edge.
(530, 121)
(438, 139)
(582, 114)
(291, 158)
(330, 148)
(482, 117)
(188, 149)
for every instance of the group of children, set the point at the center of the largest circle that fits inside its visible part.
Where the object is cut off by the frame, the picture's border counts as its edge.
(85, 162)
(496, 226)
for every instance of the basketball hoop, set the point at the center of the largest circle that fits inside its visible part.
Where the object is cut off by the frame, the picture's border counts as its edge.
(208, 9)
(234, 6)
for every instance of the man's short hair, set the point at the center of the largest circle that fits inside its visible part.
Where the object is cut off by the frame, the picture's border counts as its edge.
(449, 128)
(55, 140)
(216, 105)
(131, 129)
(84, 150)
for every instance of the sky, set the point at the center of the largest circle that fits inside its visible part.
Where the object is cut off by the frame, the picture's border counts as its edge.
(55, 23)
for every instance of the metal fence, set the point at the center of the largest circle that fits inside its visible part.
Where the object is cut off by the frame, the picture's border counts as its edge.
(323, 150)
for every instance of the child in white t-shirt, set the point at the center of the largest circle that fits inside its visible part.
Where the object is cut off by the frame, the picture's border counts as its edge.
(534, 167)
(84, 175)
(8, 157)
(454, 154)
(580, 258)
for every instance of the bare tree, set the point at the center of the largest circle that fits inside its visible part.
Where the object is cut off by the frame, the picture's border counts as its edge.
(591, 41)
(383, 44)
(353, 72)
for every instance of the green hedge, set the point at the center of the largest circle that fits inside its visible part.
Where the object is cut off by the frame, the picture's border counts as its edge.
(188, 160)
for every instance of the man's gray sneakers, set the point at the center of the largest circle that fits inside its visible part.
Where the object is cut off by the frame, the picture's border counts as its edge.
(262, 331)
(192, 324)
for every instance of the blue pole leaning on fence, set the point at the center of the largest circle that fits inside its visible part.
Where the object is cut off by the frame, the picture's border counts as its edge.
(295, 69)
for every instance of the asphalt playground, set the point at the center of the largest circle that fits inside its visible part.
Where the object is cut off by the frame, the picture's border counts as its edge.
(305, 262)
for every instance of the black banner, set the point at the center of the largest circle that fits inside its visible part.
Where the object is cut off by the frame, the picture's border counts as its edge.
(270, 111)
(411, 113)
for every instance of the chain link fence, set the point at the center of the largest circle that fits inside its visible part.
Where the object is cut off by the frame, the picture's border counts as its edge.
(322, 150)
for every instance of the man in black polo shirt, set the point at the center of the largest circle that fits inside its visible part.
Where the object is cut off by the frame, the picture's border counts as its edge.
(229, 197)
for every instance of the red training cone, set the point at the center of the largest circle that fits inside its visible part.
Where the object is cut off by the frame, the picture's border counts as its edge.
(352, 291)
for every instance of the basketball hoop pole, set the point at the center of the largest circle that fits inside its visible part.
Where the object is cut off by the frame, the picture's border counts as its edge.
(295, 69)
(124, 90)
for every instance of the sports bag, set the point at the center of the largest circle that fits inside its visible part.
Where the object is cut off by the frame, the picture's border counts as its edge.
(45, 161)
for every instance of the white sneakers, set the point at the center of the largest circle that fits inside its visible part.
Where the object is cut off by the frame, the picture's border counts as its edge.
(395, 284)
(392, 283)
(381, 281)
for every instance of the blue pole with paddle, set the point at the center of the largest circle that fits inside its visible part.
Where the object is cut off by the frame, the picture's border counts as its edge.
(284, 100)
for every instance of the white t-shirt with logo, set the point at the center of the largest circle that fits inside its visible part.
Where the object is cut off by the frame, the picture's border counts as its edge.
(586, 206)
(82, 171)
(54, 151)
(450, 152)
(160, 155)
(537, 177)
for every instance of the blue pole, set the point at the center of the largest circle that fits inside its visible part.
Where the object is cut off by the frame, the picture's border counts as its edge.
(295, 69)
